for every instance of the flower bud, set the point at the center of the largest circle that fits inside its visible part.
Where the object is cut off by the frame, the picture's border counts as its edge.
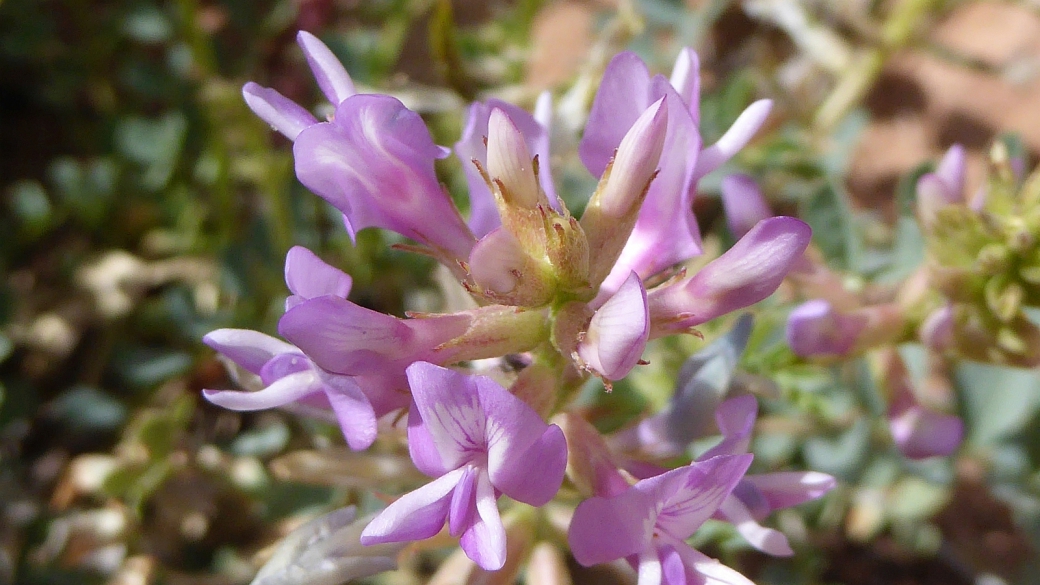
(509, 163)
(614, 208)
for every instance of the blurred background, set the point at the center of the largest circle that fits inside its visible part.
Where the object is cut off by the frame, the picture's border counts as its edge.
(144, 205)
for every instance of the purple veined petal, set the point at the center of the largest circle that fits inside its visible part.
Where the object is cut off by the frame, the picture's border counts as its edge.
(815, 328)
(784, 489)
(374, 163)
(951, 172)
(710, 571)
(617, 333)
(341, 336)
(416, 515)
(747, 273)
(706, 485)
(289, 389)
(686, 79)
(353, 410)
(308, 276)
(463, 502)
(606, 529)
(449, 404)
(736, 420)
(330, 74)
(764, 539)
(485, 540)
(283, 114)
(736, 138)
(744, 204)
(483, 211)
(247, 348)
(623, 95)
(920, 432)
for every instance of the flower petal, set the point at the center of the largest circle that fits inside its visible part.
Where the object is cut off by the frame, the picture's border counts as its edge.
(815, 328)
(623, 95)
(710, 571)
(951, 172)
(745, 274)
(921, 432)
(744, 204)
(343, 337)
(666, 231)
(283, 114)
(374, 163)
(416, 515)
(485, 540)
(308, 276)
(449, 404)
(354, 411)
(606, 529)
(617, 333)
(764, 539)
(330, 74)
(736, 420)
(282, 392)
(686, 79)
(738, 135)
(706, 484)
(247, 348)
(784, 489)
(463, 502)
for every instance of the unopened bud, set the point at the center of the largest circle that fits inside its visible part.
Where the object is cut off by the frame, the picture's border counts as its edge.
(510, 166)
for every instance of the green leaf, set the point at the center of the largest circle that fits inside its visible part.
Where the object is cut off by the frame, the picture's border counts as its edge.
(996, 402)
(827, 211)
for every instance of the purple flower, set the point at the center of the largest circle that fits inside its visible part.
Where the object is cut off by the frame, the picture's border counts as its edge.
(943, 187)
(287, 374)
(471, 147)
(374, 163)
(815, 328)
(479, 441)
(745, 274)
(649, 523)
(918, 431)
(757, 496)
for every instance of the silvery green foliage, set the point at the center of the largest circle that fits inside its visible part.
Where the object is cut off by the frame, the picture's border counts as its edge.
(703, 382)
(327, 551)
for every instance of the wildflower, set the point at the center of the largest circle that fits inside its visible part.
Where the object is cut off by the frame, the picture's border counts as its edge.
(287, 374)
(478, 440)
(649, 523)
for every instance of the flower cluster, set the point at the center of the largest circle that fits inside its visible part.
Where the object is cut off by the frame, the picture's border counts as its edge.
(570, 295)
